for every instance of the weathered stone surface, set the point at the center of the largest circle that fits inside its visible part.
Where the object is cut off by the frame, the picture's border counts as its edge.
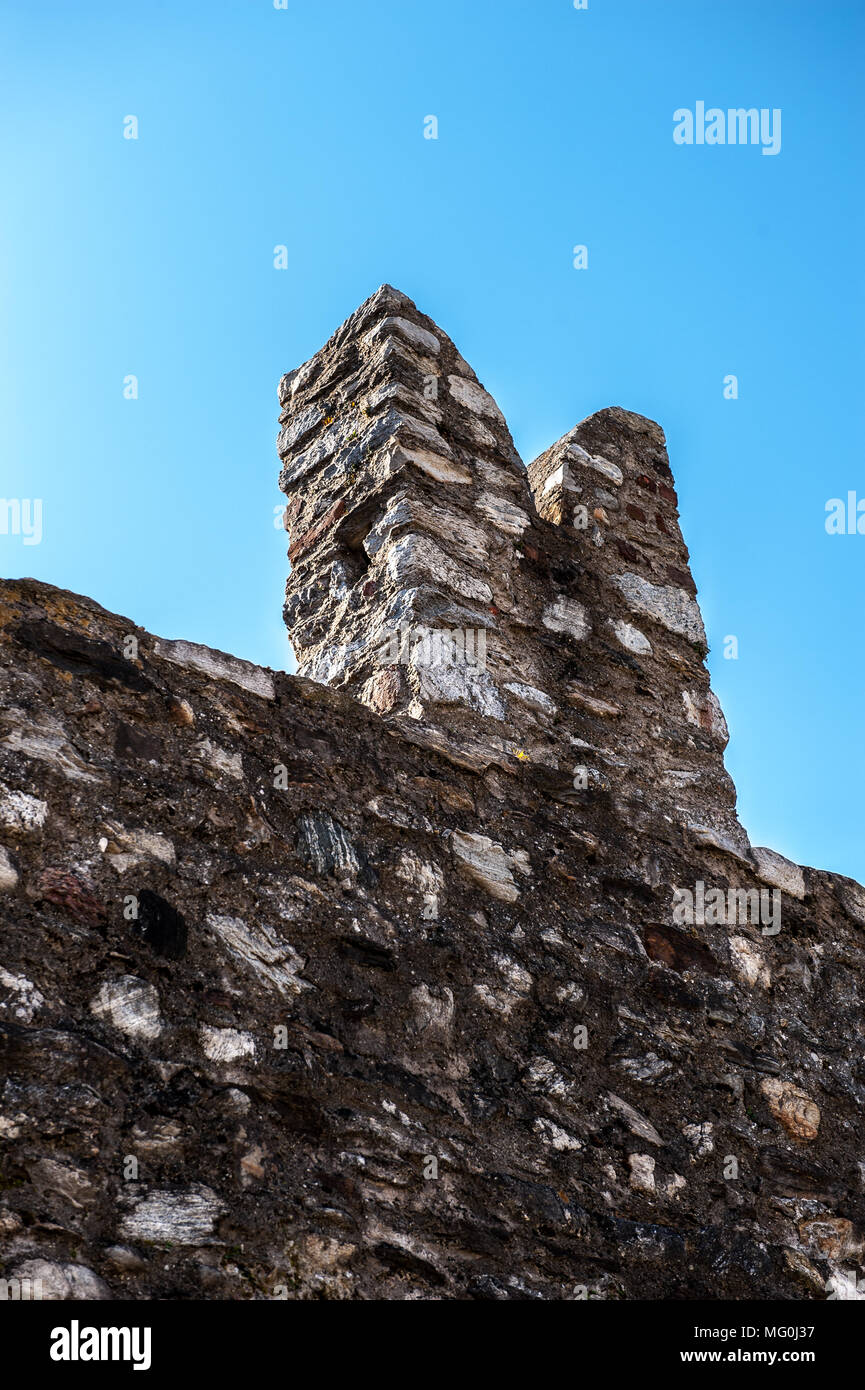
(441, 470)
(748, 963)
(642, 1168)
(453, 682)
(566, 615)
(326, 846)
(8, 872)
(415, 335)
(131, 1005)
(578, 695)
(20, 812)
(127, 849)
(226, 1044)
(704, 712)
(731, 840)
(503, 513)
(414, 557)
(47, 744)
(631, 637)
(22, 998)
(229, 764)
(259, 949)
(832, 1236)
(535, 699)
(796, 1111)
(181, 1217)
(637, 1123)
(579, 456)
(218, 665)
(852, 896)
(488, 864)
(285, 944)
(673, 608)
(59, 1282)
(780, 872)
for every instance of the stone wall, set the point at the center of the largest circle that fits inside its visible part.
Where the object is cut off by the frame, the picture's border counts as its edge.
(374, 981)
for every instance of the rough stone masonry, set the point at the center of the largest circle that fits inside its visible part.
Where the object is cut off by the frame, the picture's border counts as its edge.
(366, 982)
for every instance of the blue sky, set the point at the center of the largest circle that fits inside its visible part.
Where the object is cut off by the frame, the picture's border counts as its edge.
(304, 127)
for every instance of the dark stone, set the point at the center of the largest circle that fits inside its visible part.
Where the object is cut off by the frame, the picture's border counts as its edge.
(81, 656)
(672, 947)
(130, 742)
(160, 925)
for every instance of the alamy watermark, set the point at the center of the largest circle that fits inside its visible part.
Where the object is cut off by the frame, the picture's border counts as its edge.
(845, 518)
(734, 907)
(77, 1343)
(24, 1290)
(21, 516)
(735, 126)
(423, 646)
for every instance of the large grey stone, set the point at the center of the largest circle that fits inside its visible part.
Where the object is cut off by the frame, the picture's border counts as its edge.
(672, 607)
(781, 873)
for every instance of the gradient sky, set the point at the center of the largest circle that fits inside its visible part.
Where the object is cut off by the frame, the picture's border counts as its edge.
(304, 127)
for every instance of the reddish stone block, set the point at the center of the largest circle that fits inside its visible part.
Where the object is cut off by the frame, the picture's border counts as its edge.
(682, 578)
(628, 552)
(384, 689)
(309, 538)
(71, 893)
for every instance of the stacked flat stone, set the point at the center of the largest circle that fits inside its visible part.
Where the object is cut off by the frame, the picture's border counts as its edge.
(407, 503)
(511, 615)
(608, 486)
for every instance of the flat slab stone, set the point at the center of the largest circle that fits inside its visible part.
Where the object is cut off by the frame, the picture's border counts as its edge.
(673, 608)
(566, 615)
(219, 666)
(130, 1004)
(412, 333)
(474, 398)
(488, 864)
(781, 873)
(184, 1217)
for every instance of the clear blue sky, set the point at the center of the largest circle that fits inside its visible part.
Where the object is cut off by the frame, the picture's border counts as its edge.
(304, 127)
